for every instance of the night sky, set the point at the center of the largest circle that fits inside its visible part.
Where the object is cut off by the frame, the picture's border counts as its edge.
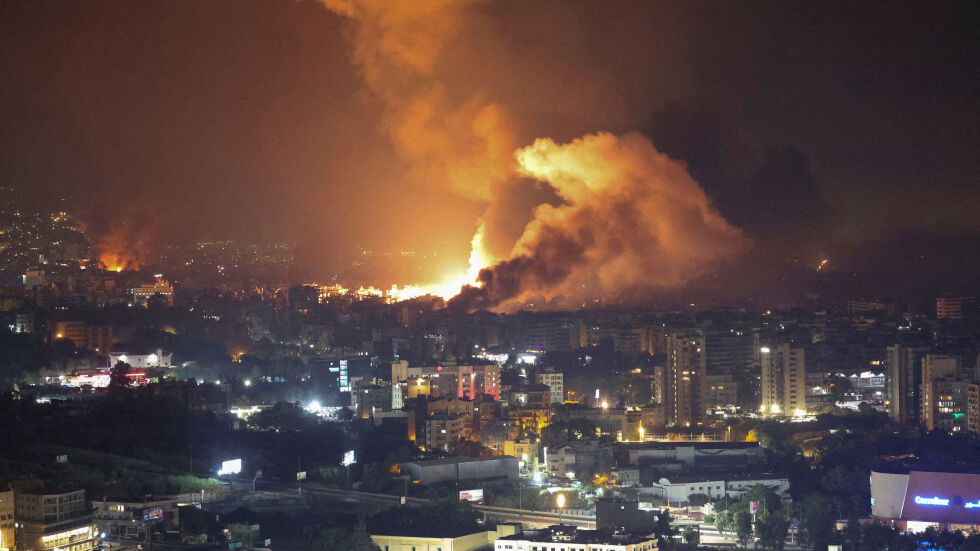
(837, 130)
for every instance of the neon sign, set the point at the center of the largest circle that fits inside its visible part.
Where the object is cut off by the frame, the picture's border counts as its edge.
(942, 502)
(972, 504)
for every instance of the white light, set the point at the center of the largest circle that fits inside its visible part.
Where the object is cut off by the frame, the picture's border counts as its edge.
(248, 382)
(314, 406)
(764, 350)
(232, 466)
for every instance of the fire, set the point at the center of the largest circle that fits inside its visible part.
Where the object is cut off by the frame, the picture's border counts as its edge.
(114, 262)
(450, 287)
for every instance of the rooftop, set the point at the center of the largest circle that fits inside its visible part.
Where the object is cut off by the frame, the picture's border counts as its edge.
(571, 534)
(458, 460)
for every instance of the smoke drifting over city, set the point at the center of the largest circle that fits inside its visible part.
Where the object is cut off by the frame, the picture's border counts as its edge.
(379, 139)
(628, 217)
(632, 218)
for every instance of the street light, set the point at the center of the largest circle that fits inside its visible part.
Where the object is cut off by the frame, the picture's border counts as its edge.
(560, 501)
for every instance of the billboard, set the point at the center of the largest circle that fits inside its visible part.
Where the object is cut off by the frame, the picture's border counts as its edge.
(754, 507)
(348, 458)
(476, 496)
(152, 513)
(232, 466)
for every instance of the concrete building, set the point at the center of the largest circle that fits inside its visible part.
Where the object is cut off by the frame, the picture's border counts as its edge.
(948, 405)
(556, 382)
(461, 468)
(934, 368)
(903, 382)
(686, 395)
(443, 429)
(7, 512)
(952, 308)
(973, 408)
(783, 380)
(143, 361)
(571, 538)
(688, 456)
(477, 541)
(161, 287)
(915, 498)
(678, 489)
(47, 522)
(722, 391)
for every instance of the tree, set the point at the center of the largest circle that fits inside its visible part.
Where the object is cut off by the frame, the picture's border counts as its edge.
(286, 416)
(698, 500)
(817, 520)
(663, 530)
(343, 538)
(771, 530)
(839, 388)
(724, 522)
(743, 528)
(118, 377)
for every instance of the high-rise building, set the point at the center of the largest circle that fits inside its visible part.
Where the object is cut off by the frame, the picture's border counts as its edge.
(949, 405)
(686, 386)
(556, 382)
(952, 308)
(973, 408)
(938, 368)
(903, 382)
(783, 380)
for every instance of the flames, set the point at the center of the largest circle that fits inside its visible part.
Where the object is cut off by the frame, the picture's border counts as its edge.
(121, 247)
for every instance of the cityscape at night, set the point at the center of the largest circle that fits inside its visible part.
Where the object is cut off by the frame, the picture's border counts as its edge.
(489, 275)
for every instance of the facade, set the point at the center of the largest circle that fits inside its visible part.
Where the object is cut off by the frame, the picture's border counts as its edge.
(973, 408)
(47, 522)
(7, 511)
(722, 391)
(143, 361)
(686, 385)
(948, 405)
(555, 382)
(161, 287)
(678, 489)
(461, 468)
(903, 381)
(686, 456)
(443, 429)
(570, 538)
(951, 308)
(916, 498)
(934, 368)
(469, 542)
(783, 380)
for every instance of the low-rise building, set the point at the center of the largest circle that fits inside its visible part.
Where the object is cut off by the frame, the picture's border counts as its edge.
(53, 521)
(678, 489)
(476, 541)
(461, 468)
(7, 511)
(570, 538)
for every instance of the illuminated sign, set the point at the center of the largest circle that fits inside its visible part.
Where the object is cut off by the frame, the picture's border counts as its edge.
(475, 496)
(942, 502)
(232, 466)
(348, 458)
(152, 513)
(972, 504)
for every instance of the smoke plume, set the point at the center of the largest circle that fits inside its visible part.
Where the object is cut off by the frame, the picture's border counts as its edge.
(462, 143)
(621, 215)
(632, 220)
